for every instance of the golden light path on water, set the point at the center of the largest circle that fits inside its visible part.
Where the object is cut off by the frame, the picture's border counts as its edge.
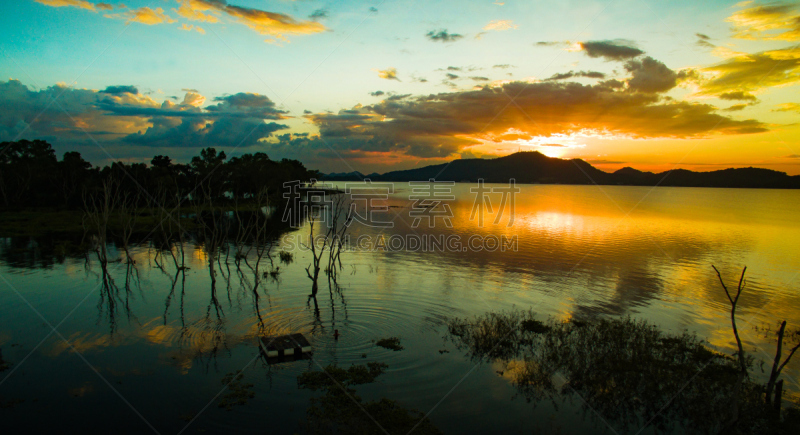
(581, 252)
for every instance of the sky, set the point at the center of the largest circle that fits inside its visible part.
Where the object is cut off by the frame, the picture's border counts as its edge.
(375, 86)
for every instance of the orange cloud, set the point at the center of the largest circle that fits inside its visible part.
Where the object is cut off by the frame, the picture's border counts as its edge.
(73, 3)
(500, 25)
(275, 24)
(787, 107)
(388, 73)
(272, 23)
(190, 27)
(195, 10)
(752, 72)
(145, 15)
(776, 21)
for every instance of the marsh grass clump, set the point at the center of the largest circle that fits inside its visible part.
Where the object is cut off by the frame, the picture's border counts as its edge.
(342, 411)
(391, 343)
(286, 257)
(238, 392)
(625, 370)
(334, 375)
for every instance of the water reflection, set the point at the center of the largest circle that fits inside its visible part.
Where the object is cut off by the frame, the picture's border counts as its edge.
(186, 307)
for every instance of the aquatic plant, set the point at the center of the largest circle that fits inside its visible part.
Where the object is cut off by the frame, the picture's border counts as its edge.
(391, 343)
(341, 411)
(238, 392)
(626, 371)
(286, 257)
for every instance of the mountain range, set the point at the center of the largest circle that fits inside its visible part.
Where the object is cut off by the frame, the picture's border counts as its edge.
(534, 167)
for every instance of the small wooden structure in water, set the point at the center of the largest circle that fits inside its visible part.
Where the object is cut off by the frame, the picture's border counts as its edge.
(294, 345)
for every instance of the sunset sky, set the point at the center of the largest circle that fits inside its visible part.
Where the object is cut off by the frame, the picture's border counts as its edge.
(377, 85)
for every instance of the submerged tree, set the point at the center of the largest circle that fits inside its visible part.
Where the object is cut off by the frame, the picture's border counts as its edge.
(774, 388)
(330, 240)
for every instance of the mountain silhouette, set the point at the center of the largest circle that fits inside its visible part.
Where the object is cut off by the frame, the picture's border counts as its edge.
(534, 167)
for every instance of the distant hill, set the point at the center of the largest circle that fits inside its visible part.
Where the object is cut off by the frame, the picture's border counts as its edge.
(535, 167)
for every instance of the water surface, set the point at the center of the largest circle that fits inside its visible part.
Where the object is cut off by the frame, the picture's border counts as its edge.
(154, 357)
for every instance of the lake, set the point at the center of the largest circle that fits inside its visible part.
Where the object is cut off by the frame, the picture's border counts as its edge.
(153, 356)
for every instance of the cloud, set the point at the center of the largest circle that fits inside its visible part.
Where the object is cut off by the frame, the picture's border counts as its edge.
(441, 125)
(236, 120)
(503, 66)
(610, 50)
(443, 36)
(499, 25)
(571, 74)
(451, 76)
(752, 72)
(274, 24)
(604, 162)
(792, 156)
(736, 108)
(120, 90)
(120, 116)
(480, 78)
(787, 107)
(190, 27)
(376, 93)
(145, 15)
(318, 14)
(704, 41)
(650, 75)
(553, 43)
(195, 10)
(72, 3)
(775, 21)
(60, 113)
(738, 95)
(388, 73)
(104, 6)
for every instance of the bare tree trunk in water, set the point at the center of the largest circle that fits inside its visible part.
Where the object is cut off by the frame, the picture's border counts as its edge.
(742, 362)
